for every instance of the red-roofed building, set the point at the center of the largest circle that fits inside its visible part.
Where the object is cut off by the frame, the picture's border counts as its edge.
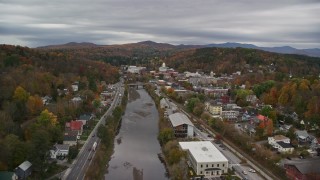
(75, 126)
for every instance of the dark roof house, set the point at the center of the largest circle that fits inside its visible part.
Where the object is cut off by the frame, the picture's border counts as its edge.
(24, 170)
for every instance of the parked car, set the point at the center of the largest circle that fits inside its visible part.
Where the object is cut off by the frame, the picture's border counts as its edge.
(244, 172)
(252, 170)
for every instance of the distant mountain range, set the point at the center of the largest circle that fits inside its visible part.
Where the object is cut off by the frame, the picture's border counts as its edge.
(315, 52)
(283, 49)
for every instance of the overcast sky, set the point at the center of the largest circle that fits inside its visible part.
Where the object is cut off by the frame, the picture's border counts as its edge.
(265, 23)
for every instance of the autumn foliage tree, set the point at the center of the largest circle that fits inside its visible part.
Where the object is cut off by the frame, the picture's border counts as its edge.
(34, 104)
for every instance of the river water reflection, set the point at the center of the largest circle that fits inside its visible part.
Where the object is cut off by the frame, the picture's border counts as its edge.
(136, 146)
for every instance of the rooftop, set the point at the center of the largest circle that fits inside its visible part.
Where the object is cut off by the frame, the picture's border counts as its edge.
(302, 134)
(279, 137)
(25, 165)
(307, 166)
(86, 117)
(285, 145)
(62, 146)
(76, 125)
(178, 119)
(203, 151)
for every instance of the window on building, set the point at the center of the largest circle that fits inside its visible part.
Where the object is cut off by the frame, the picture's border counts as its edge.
(212, 165)
(200, 172)
(223, 165)
(218, 165)
(207, 165)
(201, 165)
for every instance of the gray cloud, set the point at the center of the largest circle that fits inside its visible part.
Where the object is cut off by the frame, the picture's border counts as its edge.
(269, 23)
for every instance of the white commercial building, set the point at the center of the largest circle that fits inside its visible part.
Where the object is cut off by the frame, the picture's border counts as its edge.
(205, 158)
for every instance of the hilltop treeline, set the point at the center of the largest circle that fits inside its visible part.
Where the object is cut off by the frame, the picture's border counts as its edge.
(229, 60)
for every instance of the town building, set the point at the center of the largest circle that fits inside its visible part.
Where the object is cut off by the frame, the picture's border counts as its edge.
(163, 68)
(303, 169)
(135, 69)
(230, 115)
(213, 108)
(181, 125)
(205, 158)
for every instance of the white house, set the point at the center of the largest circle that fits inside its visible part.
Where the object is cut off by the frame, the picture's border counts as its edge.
(281, 143)
(181, 124)
(75, 87)
(278, 138)
(284, 147)
(59, 150)
(205, 158)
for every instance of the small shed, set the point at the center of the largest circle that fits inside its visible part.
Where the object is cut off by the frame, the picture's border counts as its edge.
(24, 170)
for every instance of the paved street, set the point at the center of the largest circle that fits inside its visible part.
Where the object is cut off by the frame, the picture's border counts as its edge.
(85, 156)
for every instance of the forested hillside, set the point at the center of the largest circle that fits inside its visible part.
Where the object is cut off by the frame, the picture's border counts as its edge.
(133, 54)
(28, 126)
(229, 60)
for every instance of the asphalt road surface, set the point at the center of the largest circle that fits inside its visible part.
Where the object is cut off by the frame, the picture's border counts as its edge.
(82, 162)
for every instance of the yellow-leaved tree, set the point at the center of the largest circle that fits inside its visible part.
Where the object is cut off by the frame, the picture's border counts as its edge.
(47, 118)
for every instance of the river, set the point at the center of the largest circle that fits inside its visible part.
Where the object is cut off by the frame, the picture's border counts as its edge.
(136, 146)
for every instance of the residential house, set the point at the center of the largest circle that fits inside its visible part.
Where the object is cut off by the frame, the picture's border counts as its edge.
(76, 100)
(46, 100)
(85, 118)
(70, 137)
(23, 170)
(75, 86)
(278, 138)
(283, 147)
(204, 158)
(59, 150)
(181, 125)
(75, 126)
(303, 169)
(302, 136)
(281, 143)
